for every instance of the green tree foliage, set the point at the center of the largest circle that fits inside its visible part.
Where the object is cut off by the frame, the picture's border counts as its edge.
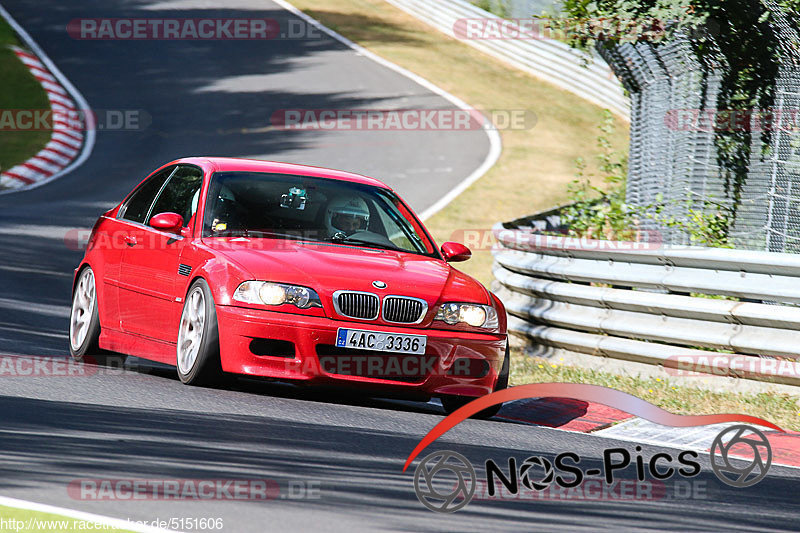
(745, 41)
(600, 211)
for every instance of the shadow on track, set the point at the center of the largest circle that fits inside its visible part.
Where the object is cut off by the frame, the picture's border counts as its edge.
(56, 443)
(204, 98)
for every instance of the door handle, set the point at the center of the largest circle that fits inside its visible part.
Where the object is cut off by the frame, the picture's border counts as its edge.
(130, 241)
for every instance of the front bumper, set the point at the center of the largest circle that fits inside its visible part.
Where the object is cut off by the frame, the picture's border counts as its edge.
(455, 362)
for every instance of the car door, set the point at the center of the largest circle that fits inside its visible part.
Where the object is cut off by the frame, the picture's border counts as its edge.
(150, 261)
(131, 216)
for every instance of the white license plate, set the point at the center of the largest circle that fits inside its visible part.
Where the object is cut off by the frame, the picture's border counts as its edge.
(381, 341)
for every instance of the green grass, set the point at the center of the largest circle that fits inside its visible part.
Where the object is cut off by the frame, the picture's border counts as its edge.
(781, 409)
(44, 522)
(536, 164)
(18, 90)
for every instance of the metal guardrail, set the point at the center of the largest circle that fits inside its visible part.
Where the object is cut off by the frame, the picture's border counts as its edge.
(642, 302)
(586, 76)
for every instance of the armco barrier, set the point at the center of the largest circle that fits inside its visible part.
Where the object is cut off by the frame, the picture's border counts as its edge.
(642, 301)
(548, 59)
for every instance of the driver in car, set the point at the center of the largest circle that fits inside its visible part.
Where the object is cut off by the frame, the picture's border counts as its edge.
(345, 216)
(227, 213)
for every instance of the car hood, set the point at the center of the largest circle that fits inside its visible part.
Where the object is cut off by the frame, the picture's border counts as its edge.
(328, 267)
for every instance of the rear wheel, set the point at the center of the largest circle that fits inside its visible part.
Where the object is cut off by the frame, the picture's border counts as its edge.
(198, 359)
(452, 403)
(84, 324)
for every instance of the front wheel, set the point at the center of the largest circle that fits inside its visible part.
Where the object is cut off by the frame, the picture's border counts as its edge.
(84, 323)
(198, 359)
(453, 403)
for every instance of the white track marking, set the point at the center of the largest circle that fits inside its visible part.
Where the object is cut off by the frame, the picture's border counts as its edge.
(117, 523)
(495, 144)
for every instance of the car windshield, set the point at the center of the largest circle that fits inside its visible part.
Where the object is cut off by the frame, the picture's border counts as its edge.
(256, 204)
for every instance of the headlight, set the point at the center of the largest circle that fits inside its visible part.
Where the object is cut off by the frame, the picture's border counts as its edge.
(476, 315)
(267, 293)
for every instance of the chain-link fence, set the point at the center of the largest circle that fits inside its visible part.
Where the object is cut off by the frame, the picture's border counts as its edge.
(673, 152)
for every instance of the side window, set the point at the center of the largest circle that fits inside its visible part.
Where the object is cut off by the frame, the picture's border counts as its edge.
(178, 195)
(138, 205)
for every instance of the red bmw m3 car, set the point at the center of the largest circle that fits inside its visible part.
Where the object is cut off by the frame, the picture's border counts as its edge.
(224, 266)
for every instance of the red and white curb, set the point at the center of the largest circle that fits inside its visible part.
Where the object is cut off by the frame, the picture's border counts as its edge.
(71, 141)
(785, 446)
(585, 417)
(66, 140)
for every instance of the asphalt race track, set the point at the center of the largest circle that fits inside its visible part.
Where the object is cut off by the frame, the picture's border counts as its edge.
(216, 98)
(205, 98)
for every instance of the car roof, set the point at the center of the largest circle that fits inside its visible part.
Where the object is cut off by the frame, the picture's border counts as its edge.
(233, 164)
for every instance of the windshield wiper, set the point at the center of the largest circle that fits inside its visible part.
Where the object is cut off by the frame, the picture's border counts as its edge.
(264, 233)
(352, 240)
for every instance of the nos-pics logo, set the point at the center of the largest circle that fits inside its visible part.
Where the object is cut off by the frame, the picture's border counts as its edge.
(445, 481)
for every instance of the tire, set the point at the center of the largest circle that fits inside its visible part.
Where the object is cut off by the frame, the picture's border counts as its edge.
(197, 352)
(84, 324)
(452, 403)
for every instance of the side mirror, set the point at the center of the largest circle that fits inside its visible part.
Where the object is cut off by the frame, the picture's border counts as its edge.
(455, 252)
(168, 222)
